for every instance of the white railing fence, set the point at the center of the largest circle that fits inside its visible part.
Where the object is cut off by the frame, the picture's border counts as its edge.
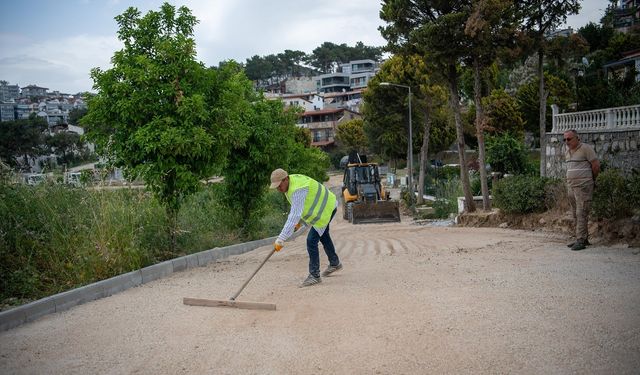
(608, 119)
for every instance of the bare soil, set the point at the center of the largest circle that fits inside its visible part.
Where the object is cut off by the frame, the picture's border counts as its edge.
(411, 299)
(620, 232)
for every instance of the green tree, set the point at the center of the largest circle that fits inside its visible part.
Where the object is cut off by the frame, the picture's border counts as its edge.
(64, 145)
(258, 68)
(324, 57)
(363, 52)
(558, 92)
(271, 136)
(565, 52)
(506, 154)
(291, 61)
(329, 55)
(596, 36)
(309, 161)
(387, 114)
(161, 115)
(595, 90)
(491, 24)
(351, 135)
(76, 114)
(542, 16)
(385, 119)
(434, 29)
(502, 114)
(22, 139)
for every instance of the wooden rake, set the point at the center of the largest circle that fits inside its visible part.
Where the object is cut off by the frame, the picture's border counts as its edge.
(231, 302)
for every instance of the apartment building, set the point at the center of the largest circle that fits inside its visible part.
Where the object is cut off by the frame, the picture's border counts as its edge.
(309, 102)
(323, 124)
(333, 82)
(350, 76)
(350, 100)
(7, 112)
(558, 33)
(626, 15)
(629, 62)
(8, 92)
(54, 111)
(33, 90)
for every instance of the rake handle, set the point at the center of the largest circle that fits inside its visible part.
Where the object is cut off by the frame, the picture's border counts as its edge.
(253, 274)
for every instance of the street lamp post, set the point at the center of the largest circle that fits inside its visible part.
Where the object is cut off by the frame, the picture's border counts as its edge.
(410, 167)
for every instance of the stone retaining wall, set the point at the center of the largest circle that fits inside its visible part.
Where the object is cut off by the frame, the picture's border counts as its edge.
(615, 149)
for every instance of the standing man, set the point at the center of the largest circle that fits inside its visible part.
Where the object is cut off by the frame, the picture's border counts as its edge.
(582, 169)
(315, 205)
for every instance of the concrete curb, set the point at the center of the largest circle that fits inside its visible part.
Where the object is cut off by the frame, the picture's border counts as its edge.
(65, 300)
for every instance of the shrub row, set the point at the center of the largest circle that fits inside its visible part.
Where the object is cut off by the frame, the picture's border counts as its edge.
(521, 194)
(615, 196)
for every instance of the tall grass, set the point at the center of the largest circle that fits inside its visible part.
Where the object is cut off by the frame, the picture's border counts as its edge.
(54, 237)
(447, 192)
(444, 184)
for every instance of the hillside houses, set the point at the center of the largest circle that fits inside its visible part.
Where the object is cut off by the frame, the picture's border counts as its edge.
(54, 107)
(337, 98)
(309, 102)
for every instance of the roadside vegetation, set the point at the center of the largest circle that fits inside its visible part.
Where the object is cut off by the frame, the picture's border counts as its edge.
(55, 237)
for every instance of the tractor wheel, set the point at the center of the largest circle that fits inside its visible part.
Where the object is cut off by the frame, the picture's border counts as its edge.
(349, 212)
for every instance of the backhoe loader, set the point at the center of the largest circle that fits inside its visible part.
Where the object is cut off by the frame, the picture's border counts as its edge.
(364, 199)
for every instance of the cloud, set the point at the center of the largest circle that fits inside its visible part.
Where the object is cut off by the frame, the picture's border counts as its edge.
(58, 64)
(242, 28)
(235, 29)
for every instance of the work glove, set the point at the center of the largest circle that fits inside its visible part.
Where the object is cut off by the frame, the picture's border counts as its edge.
(278, 245)
(297, 227)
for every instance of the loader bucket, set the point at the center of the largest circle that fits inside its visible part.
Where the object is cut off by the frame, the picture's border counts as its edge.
(376, 212)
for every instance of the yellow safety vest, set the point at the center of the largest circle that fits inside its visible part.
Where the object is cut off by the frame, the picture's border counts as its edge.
(319, 203)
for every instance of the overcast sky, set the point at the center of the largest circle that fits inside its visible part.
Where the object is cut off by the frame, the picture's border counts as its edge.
(55, 43)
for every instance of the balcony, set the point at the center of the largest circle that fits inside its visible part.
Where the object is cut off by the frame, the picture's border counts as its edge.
(320, 125)
(608, 119)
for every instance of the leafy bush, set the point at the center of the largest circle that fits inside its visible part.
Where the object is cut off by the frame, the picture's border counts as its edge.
(447, 193)
(443, 207)
(520, 194)
(556, 195)
(502, 113)
(612, 197)
(476, 182)
(335, 156)
(312, 162)
(507, 154)
(448, 172)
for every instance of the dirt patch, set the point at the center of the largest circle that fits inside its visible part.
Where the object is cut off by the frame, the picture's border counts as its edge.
(606, 232)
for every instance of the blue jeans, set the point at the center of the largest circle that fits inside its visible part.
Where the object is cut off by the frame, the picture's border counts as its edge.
(312, 248)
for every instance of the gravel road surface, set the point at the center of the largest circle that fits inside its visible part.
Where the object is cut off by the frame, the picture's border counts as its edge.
(411, 299)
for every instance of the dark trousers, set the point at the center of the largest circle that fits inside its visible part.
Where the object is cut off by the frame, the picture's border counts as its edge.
(312, 248)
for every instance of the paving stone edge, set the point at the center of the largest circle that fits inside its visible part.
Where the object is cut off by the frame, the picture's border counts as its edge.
(65, 300)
